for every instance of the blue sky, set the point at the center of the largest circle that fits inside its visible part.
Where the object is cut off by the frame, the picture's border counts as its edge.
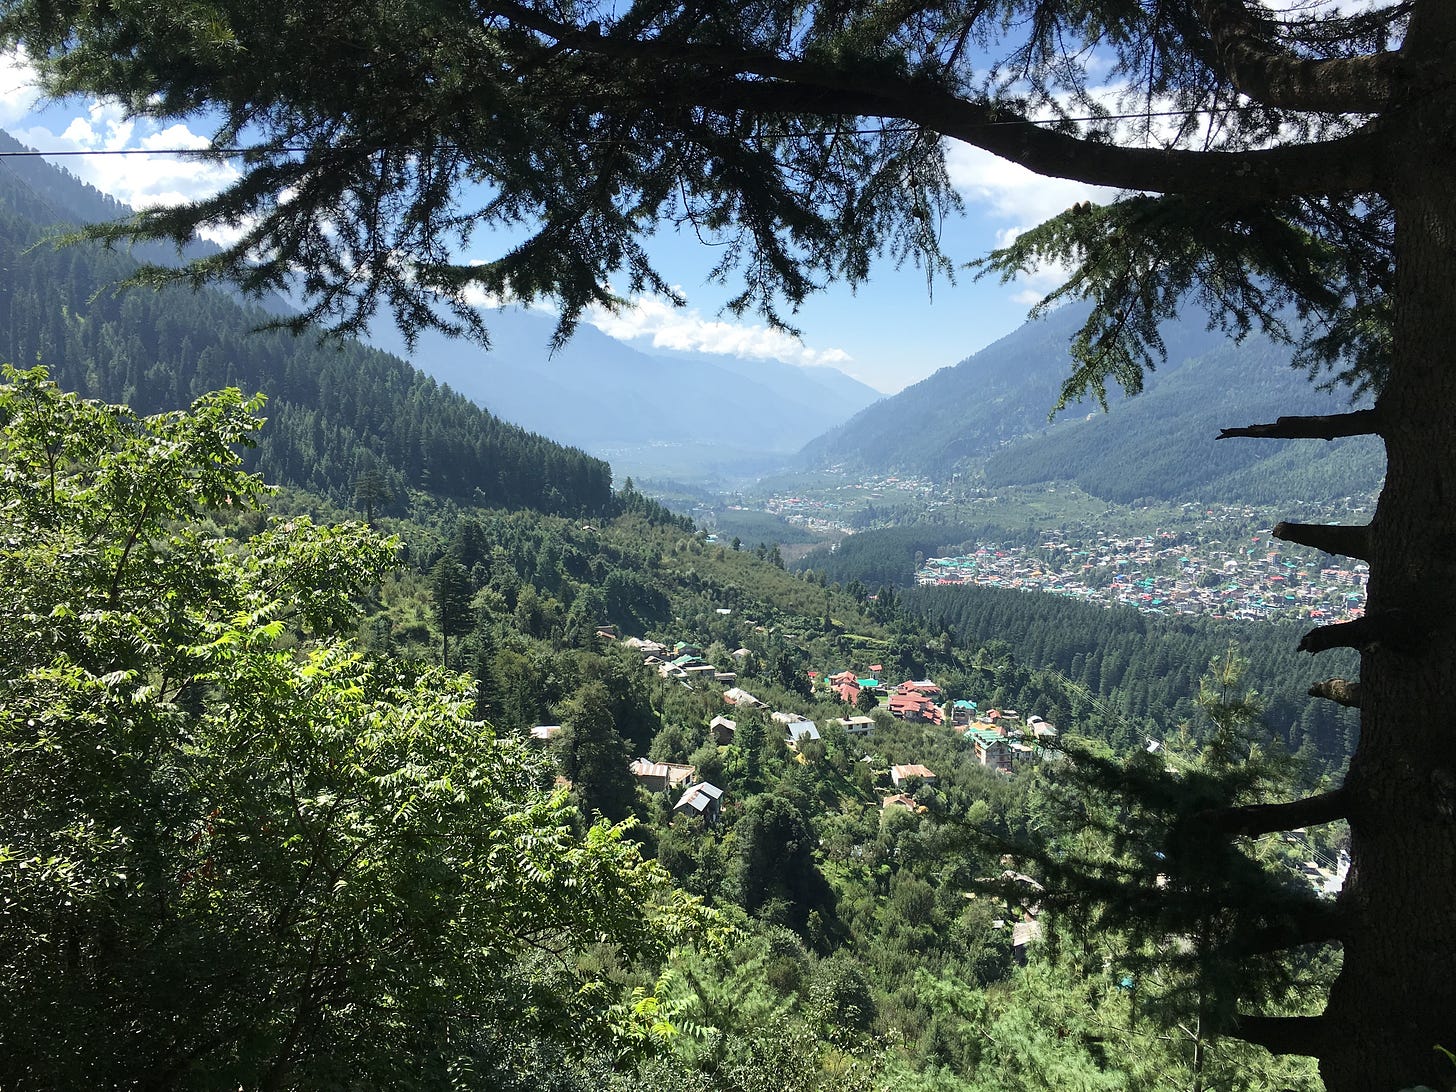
(889, 334)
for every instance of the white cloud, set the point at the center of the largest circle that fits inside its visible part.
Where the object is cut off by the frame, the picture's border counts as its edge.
(18, 96)
(154, 174)
(1008, 192)
(1011, 192)
(655, 319)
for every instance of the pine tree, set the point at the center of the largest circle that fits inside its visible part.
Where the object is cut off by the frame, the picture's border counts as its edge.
(450, 595)
(1290, 168)
(594, 757)
(1150, 871)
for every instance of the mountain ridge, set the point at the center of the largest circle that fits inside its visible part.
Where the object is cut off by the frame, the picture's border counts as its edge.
(338, 411)
(602, 394)
(988, 416)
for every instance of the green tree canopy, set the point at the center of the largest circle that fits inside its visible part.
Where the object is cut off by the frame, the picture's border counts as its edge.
(594, 755)
(450, 595)
(1289, 167)
(235, 852)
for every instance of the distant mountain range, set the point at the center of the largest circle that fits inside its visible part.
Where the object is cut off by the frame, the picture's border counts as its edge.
(695, 415)
(678, 415)
(339, 414)
(988, 415)
(688, 417)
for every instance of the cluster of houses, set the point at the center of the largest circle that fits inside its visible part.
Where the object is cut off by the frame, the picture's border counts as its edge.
(1160, 574)
(828, 513)
(683, 661)
(1000, 739)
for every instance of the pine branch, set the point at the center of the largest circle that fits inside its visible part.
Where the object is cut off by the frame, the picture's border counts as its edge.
(1249, 820)
(1259, 66)
(1395, 628)
(1341, 691)
(731, 79)
(1327, 426)
(1319, 921)
(1344, 540)
(1283, 1034)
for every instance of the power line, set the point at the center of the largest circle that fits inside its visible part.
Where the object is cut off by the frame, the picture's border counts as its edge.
(873, 131)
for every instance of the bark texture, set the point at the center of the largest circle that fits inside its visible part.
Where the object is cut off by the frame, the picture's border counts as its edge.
(1395, 999)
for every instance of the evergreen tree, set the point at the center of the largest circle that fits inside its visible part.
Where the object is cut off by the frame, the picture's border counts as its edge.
(776, 869)
(594, 757)
(450, 595)
(371, 491)
(1152, 870)
(1306, 174)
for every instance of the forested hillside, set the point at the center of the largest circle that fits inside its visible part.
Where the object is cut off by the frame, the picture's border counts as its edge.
(990, 411)
(317, 778)
(1147, 667)
(1161, 445)
(867, 955)
(336, 736)
(339, 413)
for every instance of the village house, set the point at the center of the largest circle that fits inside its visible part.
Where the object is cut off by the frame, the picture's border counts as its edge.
(899, 775)
(647, 648)
(702, 800)
(857, 726)
(901, 800)
(543, 734)
(962, 712)
(736, 695)
(913, 706)
(846, 687)
(992, 749)
(661, 776)
(1043, 731)
(796, 727)
(723, 730)
(799, 731)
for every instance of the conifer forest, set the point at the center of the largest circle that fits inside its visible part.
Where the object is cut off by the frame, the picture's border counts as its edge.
(352, 737)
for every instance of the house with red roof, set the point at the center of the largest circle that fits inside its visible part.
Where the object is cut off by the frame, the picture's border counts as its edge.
(913, 706)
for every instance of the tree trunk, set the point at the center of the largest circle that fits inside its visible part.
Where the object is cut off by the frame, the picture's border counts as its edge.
(1394, 1002)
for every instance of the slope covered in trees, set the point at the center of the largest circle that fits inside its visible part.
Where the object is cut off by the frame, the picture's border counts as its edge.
(990, 412)
(1308, 165)
(1162, 444)
(400, 866)
(338, 411)
(866, 952)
